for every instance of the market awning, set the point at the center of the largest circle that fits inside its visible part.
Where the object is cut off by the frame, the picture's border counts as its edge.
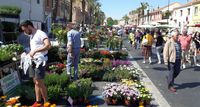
(146, 26)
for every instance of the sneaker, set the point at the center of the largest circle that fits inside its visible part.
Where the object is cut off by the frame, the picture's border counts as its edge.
(143, 62)
(184, 66)
(172, 89)
(36, 104)
(159, 62)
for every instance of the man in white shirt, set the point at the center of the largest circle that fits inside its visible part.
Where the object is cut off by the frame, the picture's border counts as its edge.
(39, 44)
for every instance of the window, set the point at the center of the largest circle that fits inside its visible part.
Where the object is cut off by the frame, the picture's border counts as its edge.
(195, 11)
(188, 11)
(38, 1)
(181, 12)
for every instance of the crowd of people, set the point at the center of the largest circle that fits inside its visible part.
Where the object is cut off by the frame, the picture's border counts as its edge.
(178, 49)
(146, 39)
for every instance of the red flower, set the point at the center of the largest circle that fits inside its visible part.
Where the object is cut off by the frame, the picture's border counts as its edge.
(104, 52)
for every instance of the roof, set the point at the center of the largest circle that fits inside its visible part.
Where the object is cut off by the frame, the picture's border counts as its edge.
(184, 5)
(164, 7)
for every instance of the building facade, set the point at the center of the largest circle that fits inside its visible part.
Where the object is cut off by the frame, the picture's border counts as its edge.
(182, 15)
(196, 12)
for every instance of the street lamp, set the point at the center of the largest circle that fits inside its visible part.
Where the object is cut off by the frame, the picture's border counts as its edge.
(168, 11)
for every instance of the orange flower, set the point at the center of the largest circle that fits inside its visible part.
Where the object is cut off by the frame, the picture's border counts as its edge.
(47, 104)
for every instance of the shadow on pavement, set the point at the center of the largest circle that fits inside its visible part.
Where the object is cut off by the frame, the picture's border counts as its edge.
(96, 100)
(188, 85)
(160, 68)
(197, 69)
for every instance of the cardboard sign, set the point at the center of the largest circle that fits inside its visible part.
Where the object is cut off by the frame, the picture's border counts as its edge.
(9, 82)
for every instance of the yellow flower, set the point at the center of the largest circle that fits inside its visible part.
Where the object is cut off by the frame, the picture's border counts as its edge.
(3, 97)
(53, 105)
(47, 104)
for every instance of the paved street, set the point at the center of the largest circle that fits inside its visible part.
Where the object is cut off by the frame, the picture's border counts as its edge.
(187, 83)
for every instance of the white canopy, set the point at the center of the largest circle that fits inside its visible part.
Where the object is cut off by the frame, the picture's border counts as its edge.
(166, 26)
(146, 26)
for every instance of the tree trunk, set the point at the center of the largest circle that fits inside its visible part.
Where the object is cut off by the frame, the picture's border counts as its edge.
(55, 8)
(83, 12)
(71, 11)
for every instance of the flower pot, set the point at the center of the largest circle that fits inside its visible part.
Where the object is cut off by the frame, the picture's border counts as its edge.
(75, 102)
(127, 102)
(114, 101)
(80, 100)
(141, 104)
(86, 101)
(108, 101)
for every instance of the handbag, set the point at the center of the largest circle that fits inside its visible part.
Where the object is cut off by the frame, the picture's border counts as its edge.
(144, 41)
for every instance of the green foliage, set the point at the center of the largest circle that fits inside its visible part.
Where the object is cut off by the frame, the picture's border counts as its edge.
(72, 90)
(120, 55)
(25, 91)
(117, 75)
(60, 32)
(53, 54)
(126, 19)
(81, 88)
(55, 79)
(110, 21)
(166, 14)
(114, 42)
(85, 87)
(10, 10)
(54, 92)
(5, 55)
(57, 54)
(115, 22)
(7, 52)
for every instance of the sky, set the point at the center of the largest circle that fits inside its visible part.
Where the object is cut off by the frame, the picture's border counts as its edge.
(118, 8)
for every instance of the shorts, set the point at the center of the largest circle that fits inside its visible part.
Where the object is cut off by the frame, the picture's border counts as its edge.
(36, 73)
(184, 54)
(146, 51)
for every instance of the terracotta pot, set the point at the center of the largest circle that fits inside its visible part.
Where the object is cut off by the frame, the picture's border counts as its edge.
(80, 100)
(114, 101)
(75, 102)
(86, 101)
(108, 101)
(141, 103)
(127, 102)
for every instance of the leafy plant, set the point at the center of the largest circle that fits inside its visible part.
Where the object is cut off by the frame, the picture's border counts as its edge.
(56, 79)
(114, 42)
(60, 32)
(25, 91)
(72, 90)
(10, 10)
(54, 92)
(85, 87)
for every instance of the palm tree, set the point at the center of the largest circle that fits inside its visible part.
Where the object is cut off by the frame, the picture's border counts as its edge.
(140, 10)
(83, 11)
(55, 8)
(126, 19)
(71, 10)
(144, 6)
(91, 6)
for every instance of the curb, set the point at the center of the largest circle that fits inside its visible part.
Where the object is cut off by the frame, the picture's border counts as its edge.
(158, 99)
